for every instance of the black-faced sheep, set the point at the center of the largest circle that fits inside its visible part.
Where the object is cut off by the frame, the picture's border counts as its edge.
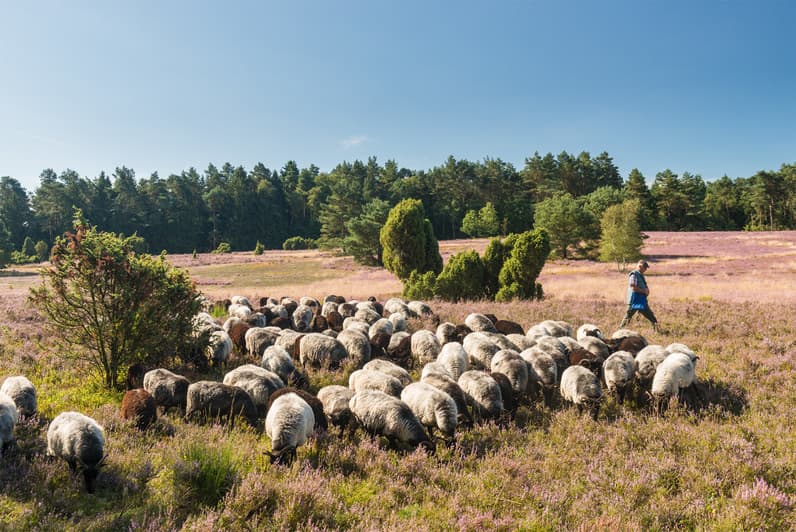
(258, 382)
(452, 388)
(237, 334)
(318, 350)
(394, 370)
(434, 408)
(368, 379)
(589, 329)
(258, 339)
(483, 394)
(80, 441)
(23, 393)
(167, 388)
(210, 400)
(646, 362)
(425, 346)
(385, 415)
(454, 358)
(356, 346)
(8, 420)
(672, 377)
(302, 318)
(478, 322)
(139, 406)
(321, 422)
(514, 367)
(335, 400)
(480, 350)
(581, 387)
(618, 372)
(289, 422)
(219, 347)
(542, 373)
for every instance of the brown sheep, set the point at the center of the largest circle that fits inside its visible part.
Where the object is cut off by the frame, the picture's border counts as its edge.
(209, 400)
(319, 323)
(631, 344)
(335, 320)
(587, 359)
(509, 327)
(139, 405)
(321, 423)
(237, 333)
(282, 323)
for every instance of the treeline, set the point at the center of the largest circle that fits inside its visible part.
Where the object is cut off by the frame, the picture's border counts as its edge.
(199, 210)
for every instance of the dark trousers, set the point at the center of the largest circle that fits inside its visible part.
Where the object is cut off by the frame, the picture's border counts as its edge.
(647, 313)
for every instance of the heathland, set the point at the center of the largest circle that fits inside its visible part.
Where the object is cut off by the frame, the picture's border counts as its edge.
(728, 464)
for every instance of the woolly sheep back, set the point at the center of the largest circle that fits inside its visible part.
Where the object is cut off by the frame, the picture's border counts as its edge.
(23, 393)
(434, 408)
(289, 423)
(80, 441)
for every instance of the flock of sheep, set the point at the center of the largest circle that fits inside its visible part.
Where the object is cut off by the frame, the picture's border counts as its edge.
(476, 371)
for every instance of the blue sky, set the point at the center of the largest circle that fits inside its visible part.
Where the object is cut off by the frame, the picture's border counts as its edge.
(706, 87)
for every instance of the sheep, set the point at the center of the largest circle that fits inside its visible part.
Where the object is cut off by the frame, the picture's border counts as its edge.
(420, 309)
(520, 340)
(394, 370)
(480, 350)
(482, 393)
(478, 322)
(388, 416)
(646, 362)
(395, 305)
(374, 303)
(239, 311)
(290, 341)
(318, 350)
(506, 393)
(9, 416)
(167, 388)
(454, 358)
(321, 423)
(581, 387)
(681, 348)
(328, 307)
(556, 349)
(569, 343)
(257, 319)
(301, 318)
(214, 400)
(542, 373)
(139, 405)
(589, 329)
(347, 310)
(230, 322)
(379, 342)
(434, 408)
(276, 359)
(289, 423)
(23, 393)
(425, 346)
(618, 372)
(237, 334)
(219, 347)
(135, 377)
(535, 331)
(311, 302)
(204, 322)
(624, 333)
(383, 326)
(240, 300)
(335, 400)
(500, 339)
(557, 328)
(319, 324)
(290, 305)
(400, 348)
(369, 305)
(80, 441)
(258, 382)
(509, 327)
(369, 379)
(452, 388)
(631, 344)
(258, 339)
(596, 346)
(446, 332)
(434, 368)
(356, 345)
(672, 376)
(514, 367)
(398, 321)
(368, 315)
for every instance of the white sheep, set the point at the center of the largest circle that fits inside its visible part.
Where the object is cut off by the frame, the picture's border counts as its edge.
(395, 305)
(595, 346)
(335, 400)
(80, 441)
(434, 408)
(8, 420)
(258, 339)
(388, 416)
(478, 322)
(480, 350)
(318, 350)
(452, 388)
(647, 361)
(681, 348)
(302, 318)
(167, 388)
(589, 329)
(446, 332)
(419, 309)
(356, 345)
(500, 339)
(624, 333)
(676, 373)
(368, 379)
(482, 393)
(557, 328)
(219, 347)
(398, 321)
(394, 370)
(258, 382)
(581, 387)
(240, 300)
(381, 326)
(514, 367)
(277, 360)
(521, 341)
(289, 423)
(618, 372)
(328, 306)
(542, 373)
(23, 393)
(425, 346)
(454, 358)
(239, 311)
(288, 339)
(570, 344)
(368, 315)
(355, 324)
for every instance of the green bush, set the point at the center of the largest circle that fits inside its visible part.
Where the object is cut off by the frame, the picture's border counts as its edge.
(258, 248)
(42, 250)
(408, 241)
(494, 256)
(223, 247)
(19, 257)
(519, 272)
(420, 285)
(462, 278)
(299, 242)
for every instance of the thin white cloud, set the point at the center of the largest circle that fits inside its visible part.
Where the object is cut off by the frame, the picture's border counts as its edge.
(351, 142)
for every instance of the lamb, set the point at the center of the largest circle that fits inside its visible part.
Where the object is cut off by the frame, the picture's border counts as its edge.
(478, 322)
(8, 420)
(482, 393)
(589, 329)
(302, 318)
(581, 387)
(80, 441)
(289, 423)
(368, 379)
(452, 388)
(356, 345)
(22, 392)
(335, 400)
(167, 388)
(139, 405)
(646, 362)
(388, 416)
(618, 372)
(434, 408)
(318, 350)
(259, 383)
(394, 370)
(454, 358)
(425, 346)
(258, 339)
(214, 400)
(673, 375)
(321, 423)
(480, 350)
(219, 347)
(542, 373)
(514, 367)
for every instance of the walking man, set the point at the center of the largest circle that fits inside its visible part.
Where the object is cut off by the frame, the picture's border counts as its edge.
(637, 292)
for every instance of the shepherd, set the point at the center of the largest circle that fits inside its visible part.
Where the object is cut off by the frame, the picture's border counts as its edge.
(637, 293)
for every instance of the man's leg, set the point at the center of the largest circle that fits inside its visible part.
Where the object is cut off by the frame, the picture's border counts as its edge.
(647, 313)
(628, 315)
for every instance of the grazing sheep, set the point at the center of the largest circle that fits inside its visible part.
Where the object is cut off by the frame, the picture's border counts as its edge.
(289, 422)
(347, 310)
(454, 358)
(398, 321)
(587, 359)
(258, 382)
(369, 379)
(618, 372)
(556, 349)
(258, 339)
(210, 400)
(535, 331)
(80, 441)
(8, 420)
(301, 318)
(425, 346)
(400, 348)
(507, 393)
(434, 408)
(219, 347)
(394, 370)
(557, 328)
(319, 324)
(318, 350)
(135, 377)
(480, 350)
(482, 393)
(328, 307)
(335, 400)
(204, 321)
(378, 307)
(420, 309)
(631, 344)
(167, 388)
(680, 348)
(500, 339)
(290, 304)
(478, 322)
(395, 305)
(278, 360)
(581, 387)
(290, 340)
(381, 326)
(237, 334)
(589, 329)
(509, 327)
(646, 362)
(434, 368)
(356, 346)
(368, 315)
(672, 376)
(625, 333)
(229, 322)
(446, 333)
(542, 373)
(240, 300)
(388, 416)
(321, 423)
(22, 392)
(379, 344)
(596, 346)
(452, 388)
(514, 367)
(357, 325)
(257, 319)
(521, 341)
(570, 344)
(242, 312)
(311, 302)
(139, 406)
